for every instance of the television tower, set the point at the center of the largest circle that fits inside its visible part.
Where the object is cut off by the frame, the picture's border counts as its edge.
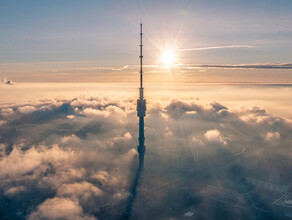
(141, 112)
(141, 107)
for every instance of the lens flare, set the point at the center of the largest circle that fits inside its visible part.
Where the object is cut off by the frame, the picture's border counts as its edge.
(168, 58)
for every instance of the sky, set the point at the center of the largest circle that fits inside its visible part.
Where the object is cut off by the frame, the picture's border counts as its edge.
(77, 41)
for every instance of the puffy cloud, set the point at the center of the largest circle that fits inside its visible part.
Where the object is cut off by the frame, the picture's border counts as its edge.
(20, 162)
(7, 112)
(182, 109)
(71, 139)
(105, 179)
(59, 208)
(115, 113)
(125, 137)
(81, 191)
(214, 136)
(177, 108)
(26, 109)
(95, 112)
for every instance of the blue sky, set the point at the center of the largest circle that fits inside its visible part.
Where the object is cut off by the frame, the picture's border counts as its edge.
(106, 32)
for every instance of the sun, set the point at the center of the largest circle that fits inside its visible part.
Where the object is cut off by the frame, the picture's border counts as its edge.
(168, 58)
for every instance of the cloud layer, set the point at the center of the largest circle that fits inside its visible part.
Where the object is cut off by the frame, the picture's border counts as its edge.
(65, 159)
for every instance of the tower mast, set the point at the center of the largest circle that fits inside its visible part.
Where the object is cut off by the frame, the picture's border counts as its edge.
(141, 62)
(141, 106)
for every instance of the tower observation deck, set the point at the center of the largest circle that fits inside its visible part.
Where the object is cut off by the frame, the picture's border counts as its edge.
(141, 105)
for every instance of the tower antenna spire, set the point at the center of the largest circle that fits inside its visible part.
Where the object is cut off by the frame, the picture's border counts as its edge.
(141, 61)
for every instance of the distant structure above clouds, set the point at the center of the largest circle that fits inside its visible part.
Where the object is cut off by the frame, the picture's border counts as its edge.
(6, 81)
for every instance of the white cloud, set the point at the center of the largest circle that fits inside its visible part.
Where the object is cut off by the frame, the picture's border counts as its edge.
(105, 179)
(26, 109)
(214, 136)
(7, 112)
(72, 139)
(113, 112)
(127, 136)
(81, 190)
(95, 112)
(20, 162)
(59, 208)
